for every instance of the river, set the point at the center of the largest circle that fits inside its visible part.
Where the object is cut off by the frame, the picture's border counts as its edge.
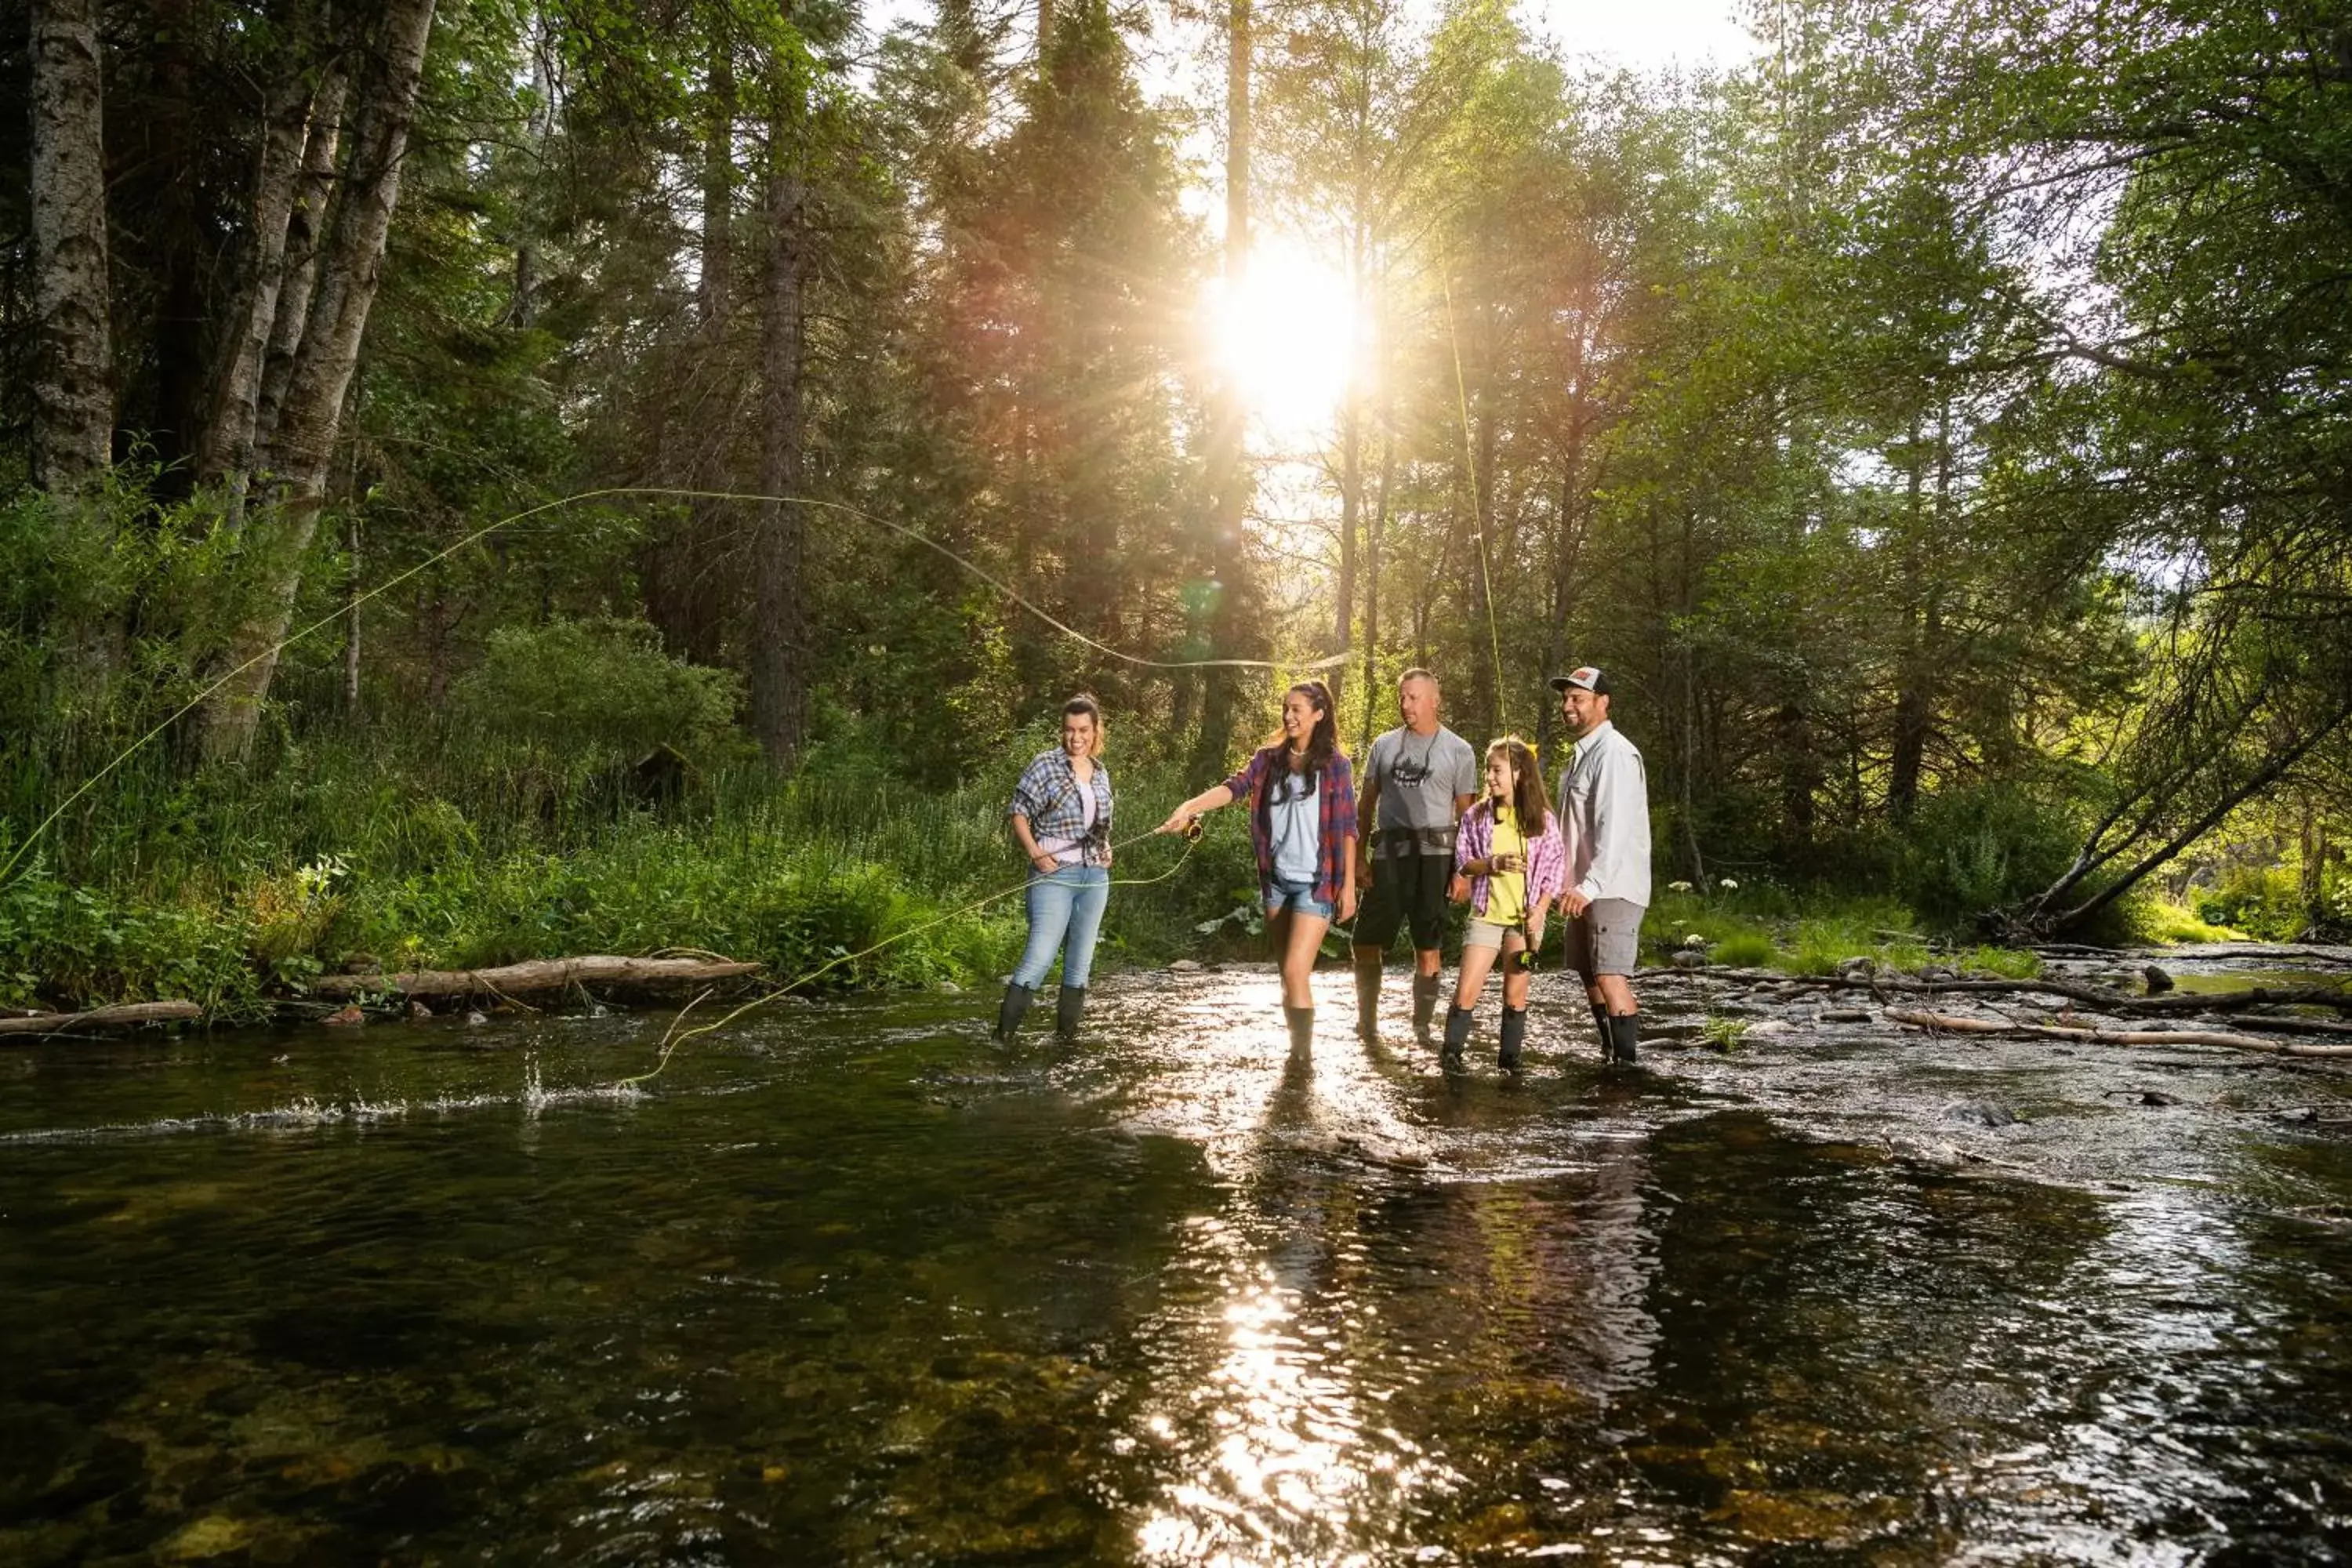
(850, 1284)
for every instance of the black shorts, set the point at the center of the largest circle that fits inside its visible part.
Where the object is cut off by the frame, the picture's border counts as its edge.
(1408, 889)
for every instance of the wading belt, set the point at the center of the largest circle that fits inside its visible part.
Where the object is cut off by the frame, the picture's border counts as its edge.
(1388, 843)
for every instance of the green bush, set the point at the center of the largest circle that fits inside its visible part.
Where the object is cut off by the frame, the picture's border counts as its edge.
(595, 695)
(2263, 901)
(1970, 852)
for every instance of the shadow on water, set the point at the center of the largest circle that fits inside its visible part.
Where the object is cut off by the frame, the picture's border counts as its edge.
(852, 1285)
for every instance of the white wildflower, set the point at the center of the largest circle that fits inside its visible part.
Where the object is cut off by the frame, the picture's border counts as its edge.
(1727, 885)
(1679, 887)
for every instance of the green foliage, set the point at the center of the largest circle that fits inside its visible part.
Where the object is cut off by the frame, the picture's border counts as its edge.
(1748, 949)
(1723, 1034)
(2264, 901)
(593, 696)
(1968, 852)
(2000, 962)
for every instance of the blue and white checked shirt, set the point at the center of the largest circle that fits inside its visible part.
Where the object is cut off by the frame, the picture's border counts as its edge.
(1047, 796)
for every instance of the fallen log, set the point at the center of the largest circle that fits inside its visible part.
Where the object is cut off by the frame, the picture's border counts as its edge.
(1951, 1024)
(538, 974)
(2336, 997)
(129, 1015)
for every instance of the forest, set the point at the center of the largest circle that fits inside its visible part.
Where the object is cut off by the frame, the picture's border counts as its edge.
(484, 479)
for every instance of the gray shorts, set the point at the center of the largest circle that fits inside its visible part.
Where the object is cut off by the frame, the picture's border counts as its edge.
(1606, 939)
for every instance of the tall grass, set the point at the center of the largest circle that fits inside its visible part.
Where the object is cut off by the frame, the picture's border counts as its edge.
(432, 849)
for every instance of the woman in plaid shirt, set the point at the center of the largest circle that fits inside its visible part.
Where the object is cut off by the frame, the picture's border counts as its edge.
(1061, 819)
(1304, 828)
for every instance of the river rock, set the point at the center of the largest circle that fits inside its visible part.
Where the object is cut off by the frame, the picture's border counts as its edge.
(476, 1020)
(2158, 982)
(1688, 958)
(348, 1019)
(1845, 1016)
(1185, 966)
(1856, 968)
(1938, 973)
(1982, 1113)
(2157, 1096)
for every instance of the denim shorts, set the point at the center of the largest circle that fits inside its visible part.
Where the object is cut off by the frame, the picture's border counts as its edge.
(1298, 897)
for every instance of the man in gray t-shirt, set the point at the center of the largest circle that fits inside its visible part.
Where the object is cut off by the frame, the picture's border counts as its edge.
(1414, 785)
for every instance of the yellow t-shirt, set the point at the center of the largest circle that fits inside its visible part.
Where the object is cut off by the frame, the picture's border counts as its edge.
(1506, 893)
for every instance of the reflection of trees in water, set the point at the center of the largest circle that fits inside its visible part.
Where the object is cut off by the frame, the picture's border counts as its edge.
(1846, 1347)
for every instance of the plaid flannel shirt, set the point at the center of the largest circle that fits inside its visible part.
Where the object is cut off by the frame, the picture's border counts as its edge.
(1337, 787)
(1047, 796)
(1547, 871)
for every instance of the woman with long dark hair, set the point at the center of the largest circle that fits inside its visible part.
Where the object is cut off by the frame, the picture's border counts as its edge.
(1304, 827)
(1509, 852)
(1061, 819)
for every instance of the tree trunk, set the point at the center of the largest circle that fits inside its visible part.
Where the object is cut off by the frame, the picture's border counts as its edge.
(224, 452)
(309, 421)
(1229, 479)
(306, 229)
(779, 646)
(73, 392)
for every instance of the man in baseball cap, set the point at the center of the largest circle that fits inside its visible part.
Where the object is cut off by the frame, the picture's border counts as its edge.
(1604, 821)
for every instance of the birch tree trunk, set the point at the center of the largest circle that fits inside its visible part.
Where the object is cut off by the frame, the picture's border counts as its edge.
(225, 450)
(778, 642)
(73, 393)
(306, 229)
(303, 441)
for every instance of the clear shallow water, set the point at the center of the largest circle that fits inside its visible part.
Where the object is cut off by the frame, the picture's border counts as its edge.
(850, 1285)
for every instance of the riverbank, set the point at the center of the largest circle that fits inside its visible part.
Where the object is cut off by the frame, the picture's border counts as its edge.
(239, 899)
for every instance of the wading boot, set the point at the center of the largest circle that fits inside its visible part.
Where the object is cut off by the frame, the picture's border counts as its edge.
(1624, 1034)
(1302, 1029)
(1457, 1035)
(1011, 1010)
(1368, 1000)
(1424, 1006)
(1515, 1034)
(1068, 1004)
(1608, 1040)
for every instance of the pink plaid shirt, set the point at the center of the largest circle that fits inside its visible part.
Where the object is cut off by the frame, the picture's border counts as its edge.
(1546, 856)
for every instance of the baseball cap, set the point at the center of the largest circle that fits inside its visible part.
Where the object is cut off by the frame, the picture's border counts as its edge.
(1584, 676)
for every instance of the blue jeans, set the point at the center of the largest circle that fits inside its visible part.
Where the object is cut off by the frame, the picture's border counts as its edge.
(1298, 897)
(1066, 905)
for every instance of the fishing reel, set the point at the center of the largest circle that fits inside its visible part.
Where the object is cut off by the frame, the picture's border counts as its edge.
(1524, 960)
(1192, 831)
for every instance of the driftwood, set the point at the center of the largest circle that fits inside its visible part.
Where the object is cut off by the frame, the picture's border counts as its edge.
(538, 974)
(1950, 1023)
(128, 1016)
(2175, 1002)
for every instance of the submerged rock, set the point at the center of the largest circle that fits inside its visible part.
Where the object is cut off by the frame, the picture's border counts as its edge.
(1982, 1113)
(2158, 982)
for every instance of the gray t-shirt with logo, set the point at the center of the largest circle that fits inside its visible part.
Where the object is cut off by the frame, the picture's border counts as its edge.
(1419, 777)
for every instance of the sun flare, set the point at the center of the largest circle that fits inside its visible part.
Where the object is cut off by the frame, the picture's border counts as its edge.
(1289, 336)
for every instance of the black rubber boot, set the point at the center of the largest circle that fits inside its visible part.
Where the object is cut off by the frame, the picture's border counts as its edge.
(1368, 999)
(1515, 1034)
(1625, 1035)
(1069, 1004)
(1424, 1006)
(1012, 1010)
(1457, 1033)
(1608, 1040)
(1302, 1028)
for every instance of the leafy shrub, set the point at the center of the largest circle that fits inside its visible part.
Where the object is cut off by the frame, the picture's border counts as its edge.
(593, 696)
(2264, 901)
(1967, 852)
